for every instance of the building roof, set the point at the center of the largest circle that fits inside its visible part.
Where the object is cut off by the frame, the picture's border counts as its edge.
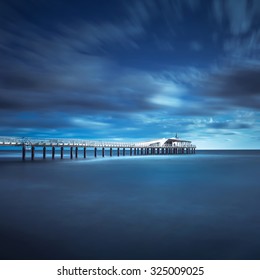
(164, 141)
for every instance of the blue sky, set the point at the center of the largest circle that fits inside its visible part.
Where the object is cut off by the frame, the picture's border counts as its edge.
(132, 70)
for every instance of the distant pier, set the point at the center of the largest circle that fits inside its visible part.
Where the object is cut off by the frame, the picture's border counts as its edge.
(82, 148)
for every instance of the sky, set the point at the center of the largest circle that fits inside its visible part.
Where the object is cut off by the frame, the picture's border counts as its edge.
(122, 70)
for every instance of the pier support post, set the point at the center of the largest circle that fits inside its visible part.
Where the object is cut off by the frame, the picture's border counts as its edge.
(32, 153)
(111, 152)
(141, 151)
(85, 152)
(61, 152)
(118, 152)
(71, 152)
(123, 151)
(95, 152)
(23, 152)
(135, 151)
(103, 151)
(44, 152)
(53, 152)
(76, 152)
(131, 151)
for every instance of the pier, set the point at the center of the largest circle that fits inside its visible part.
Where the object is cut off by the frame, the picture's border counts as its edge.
(82, 148)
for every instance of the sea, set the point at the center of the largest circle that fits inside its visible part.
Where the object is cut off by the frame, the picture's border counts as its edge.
(195, 206)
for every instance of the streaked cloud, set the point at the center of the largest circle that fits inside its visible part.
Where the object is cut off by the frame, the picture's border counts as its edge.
(241, 15)
(139, 69)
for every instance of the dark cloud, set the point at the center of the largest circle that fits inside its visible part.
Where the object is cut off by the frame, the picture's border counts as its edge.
(82, 88)
(236, 86)
(8, 104)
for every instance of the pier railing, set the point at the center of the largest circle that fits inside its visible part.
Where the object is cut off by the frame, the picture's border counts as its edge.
(16, 141)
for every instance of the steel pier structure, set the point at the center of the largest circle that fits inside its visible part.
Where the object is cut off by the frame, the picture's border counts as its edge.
(80, 148)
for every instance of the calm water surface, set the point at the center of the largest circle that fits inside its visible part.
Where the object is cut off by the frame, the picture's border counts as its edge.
(203, 206)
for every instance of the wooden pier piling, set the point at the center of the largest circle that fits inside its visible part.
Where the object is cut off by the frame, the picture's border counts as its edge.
(53, 152)
(61, 152)
(44, 152)
(32, 152)
(71, 152)
(24, 152)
